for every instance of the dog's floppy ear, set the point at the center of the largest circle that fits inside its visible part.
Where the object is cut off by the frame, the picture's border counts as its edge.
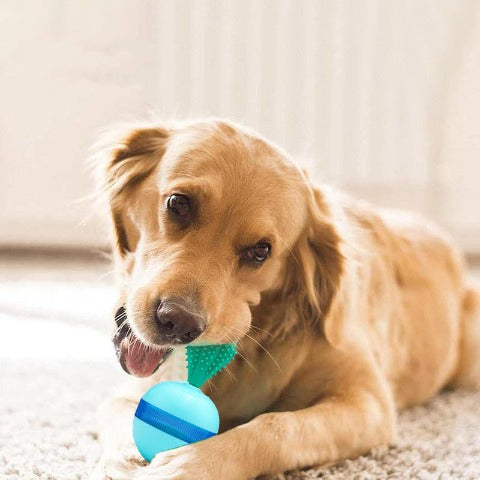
(127, 163)
(319, 268)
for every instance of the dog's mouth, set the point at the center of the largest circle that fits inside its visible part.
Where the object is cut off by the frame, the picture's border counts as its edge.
(134, 356)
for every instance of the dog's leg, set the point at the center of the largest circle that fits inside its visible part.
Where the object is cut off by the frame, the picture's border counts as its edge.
(119, 456)
(467, 373)
(345, 424)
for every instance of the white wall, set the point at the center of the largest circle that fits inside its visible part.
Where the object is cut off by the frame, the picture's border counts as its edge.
(459, 185)
(378, 96)
(67, 69)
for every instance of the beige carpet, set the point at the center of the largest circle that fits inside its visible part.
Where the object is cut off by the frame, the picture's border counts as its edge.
(56, 366)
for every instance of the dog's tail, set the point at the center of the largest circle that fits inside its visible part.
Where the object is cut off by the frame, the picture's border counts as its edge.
(467, 374)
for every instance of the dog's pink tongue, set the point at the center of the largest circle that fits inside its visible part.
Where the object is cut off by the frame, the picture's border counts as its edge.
(138, 359)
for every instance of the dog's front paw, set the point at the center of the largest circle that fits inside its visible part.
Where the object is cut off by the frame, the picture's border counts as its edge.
(180, 464)
(199, 461)
(121, 466)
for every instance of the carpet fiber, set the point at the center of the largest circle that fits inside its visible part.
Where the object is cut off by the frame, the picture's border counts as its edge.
(51, 384)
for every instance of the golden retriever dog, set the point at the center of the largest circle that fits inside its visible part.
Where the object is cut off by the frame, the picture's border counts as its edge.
(343, 313)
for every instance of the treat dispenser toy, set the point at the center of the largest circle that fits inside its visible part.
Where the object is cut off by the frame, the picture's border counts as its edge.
(173, 414)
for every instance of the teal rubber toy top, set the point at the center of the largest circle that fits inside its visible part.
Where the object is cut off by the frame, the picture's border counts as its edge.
(205, 361)
(173, 414)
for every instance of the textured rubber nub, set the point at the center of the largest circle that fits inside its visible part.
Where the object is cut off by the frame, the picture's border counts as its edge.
(205, 361)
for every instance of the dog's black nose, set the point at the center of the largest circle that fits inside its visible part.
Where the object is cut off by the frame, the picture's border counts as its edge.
(179, 321)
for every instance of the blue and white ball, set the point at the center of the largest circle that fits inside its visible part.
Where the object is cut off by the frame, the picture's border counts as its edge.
(173, 414)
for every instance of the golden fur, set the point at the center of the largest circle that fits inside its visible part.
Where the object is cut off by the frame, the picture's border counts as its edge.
(358, 312)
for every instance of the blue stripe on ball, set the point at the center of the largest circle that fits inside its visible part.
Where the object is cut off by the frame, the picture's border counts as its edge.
(168, 423)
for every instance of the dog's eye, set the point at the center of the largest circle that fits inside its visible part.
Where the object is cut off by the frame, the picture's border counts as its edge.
(178, 204)
(256, 254)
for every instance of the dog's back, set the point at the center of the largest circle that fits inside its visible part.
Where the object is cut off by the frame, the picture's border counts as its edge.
(428, 334)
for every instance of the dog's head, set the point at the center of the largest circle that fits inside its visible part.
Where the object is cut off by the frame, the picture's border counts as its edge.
(207, 217)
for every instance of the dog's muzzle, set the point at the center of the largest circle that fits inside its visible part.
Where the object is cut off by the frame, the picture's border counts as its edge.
(134, 356)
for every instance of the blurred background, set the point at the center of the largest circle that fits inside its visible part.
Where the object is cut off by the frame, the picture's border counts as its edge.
(380, 97)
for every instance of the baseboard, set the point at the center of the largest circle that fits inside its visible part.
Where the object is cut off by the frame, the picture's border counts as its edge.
(29, 252)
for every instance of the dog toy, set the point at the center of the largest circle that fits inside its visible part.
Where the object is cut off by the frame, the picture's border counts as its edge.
(173, 414)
